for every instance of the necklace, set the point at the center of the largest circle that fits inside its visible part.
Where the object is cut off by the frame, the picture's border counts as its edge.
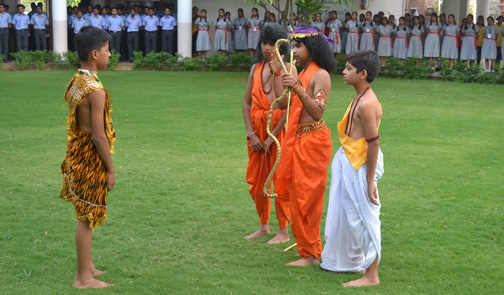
(91, 73)
(352, 110)
(264, 83)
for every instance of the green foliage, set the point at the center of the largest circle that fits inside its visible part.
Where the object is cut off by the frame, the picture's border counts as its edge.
(216, 62)
(240, 59)
(114, 59)
(417, 69)
(189, 64)
(487, 78)
(138, 59)
(21, 59)
(72, 59)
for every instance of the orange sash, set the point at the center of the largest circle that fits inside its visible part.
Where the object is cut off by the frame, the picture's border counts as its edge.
(284, 171)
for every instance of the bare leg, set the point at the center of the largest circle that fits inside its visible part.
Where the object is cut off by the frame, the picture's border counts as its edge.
(369, 279)
(281, 237)
(83, 241)
(304, 261)
(452, 61)
(263, 230)
(251, 52)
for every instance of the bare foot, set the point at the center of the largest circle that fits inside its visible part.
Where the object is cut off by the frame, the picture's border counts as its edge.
(263, 230)
(364, 281)
(304, 262)
(96, 273)
(281, 237)
(91, 283)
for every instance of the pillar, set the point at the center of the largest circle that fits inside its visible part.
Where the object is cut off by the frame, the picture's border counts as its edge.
(59, 26)
(184, 27)
(482, 8)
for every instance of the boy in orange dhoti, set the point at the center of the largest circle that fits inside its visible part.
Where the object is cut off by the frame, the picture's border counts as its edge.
(262, 156)
(88, 171)
(307, 145)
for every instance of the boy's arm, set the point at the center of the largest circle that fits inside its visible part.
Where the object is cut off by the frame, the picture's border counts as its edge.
(255, 143)
(316, 105)
(97, 101)
(367, 113)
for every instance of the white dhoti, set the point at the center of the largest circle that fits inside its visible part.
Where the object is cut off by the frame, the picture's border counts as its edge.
(352, 232)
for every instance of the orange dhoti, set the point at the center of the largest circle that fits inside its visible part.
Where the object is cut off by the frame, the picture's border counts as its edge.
(260, 164)
(306, 154)
(310, 160)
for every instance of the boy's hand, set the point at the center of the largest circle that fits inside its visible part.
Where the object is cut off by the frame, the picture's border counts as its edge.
(110, 180)
(290, 79)
(255, 143)
(373, 194)
(274, 65)
(267, 144)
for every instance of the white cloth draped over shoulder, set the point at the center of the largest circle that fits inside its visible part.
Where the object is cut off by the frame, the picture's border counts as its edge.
(352, 232)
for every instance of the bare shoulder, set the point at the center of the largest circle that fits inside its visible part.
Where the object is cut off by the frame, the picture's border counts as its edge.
(323, 75)
(370, 103)
(96, 97)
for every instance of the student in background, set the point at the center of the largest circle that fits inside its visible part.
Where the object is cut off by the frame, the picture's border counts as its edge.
(385, 44)
(402, 33)
(432, 41)
(169, 25)
(254, 30)
(115, 25)
(415, 48)
(318, 23)
(5, 23)
(489, 49)
(450, 45)
(20, 23)
(335, 26)
(133, 22)
(151, 24)
(230, 29)
(352, 43)
(367, 30)
(240, 33)
(481, 36)
(220, 37)
(499, 25)
(203, 40)
(40, 22)
(344, 33)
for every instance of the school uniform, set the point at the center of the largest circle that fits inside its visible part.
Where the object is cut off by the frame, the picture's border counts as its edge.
(401, 42)
(334, 34)
(499, 41)
(96, 21)
(5, 20)
(317, 25)
(502, 44)
(392, 29)
(87, 17)
(352, 41)
(254, 32)
(450, 45)
(489, 49)
(469, 44)
(133, 25)
(415, 46)
(220, 37)
(385, 44)
(203, 40)
(376, 35)
(21, 22)
(367, 40)
(479, 42)
(39, 23)
(432, 41)
(114, 27)
(168, 25)
(151, 27)
(240, 35)
(230, 38)
(77, 24)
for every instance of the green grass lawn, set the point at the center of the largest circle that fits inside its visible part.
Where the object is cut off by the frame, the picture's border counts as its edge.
(181, 207)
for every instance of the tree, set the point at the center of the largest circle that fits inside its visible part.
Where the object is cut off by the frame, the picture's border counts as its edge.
(309, 7)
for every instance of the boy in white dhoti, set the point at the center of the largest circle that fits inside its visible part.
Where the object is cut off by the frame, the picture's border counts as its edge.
(352, 233)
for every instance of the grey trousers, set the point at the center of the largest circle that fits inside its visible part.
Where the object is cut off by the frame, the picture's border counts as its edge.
(115, 44)
(22, 40)
(168, 41)
(40, 40)
(4, 42)
(132, 43)
(150, 41)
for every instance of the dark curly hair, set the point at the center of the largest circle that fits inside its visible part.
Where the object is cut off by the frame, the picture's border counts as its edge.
(270, 33)
(320, 51)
